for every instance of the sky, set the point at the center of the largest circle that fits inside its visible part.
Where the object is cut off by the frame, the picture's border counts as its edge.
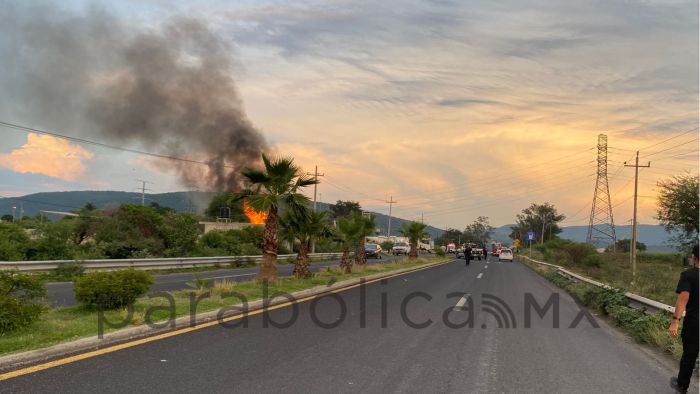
(455, 109)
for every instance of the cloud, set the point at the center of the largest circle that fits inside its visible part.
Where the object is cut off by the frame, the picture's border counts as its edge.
(457, 109)
(485, 93)
(44, 154)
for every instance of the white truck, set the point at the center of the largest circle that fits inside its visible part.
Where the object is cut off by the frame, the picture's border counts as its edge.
(401, 248)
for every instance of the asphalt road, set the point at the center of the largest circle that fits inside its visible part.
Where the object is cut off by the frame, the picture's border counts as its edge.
(373, 349)
(61, 293)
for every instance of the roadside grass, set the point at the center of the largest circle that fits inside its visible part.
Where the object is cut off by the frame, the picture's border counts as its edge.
(646, 328)
(71, 323)
(657, 273)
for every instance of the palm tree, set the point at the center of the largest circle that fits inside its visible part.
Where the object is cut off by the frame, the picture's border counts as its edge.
(276, 185)
(365, 227)
(415, 232)
(304, 225)
(346, 233)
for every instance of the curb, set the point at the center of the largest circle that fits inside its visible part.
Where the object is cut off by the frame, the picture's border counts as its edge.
(202, 320)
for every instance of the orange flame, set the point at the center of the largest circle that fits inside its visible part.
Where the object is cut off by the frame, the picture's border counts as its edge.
(254, 216)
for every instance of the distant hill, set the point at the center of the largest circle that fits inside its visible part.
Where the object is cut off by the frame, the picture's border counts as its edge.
(31, 204)
(654, 236)
(396, 223)
(195, 202)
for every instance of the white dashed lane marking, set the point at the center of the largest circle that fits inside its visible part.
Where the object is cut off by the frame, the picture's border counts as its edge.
(461, 302)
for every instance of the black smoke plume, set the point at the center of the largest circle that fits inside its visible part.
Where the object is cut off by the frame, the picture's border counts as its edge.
(166, 87)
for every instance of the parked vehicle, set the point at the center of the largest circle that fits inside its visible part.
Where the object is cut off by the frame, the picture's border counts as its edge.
(401, 248)
(505, 255)
(373, 251)
(426, 245)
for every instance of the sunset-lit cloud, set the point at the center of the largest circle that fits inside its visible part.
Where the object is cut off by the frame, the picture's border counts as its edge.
(465, 109)
(47, 155)
(462, 109)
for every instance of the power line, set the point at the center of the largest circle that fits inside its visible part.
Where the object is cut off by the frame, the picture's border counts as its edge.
(502, 186)
(493, 183)
(673, 147)
(350, 190)
(104, 145)
(412, 196)
(558, 187)
(669, 139)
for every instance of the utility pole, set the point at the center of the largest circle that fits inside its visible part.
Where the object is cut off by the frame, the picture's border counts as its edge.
(391, 202)
(421, 218)
(13, 214)
(143, 191)
(633, 246)
(544, 220)
(316, 175)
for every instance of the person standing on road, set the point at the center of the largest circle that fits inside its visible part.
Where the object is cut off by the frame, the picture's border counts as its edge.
(468, 254)
(486, 253)
(687, 290)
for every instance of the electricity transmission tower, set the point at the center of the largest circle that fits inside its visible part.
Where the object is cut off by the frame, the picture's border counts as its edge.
(601, 227)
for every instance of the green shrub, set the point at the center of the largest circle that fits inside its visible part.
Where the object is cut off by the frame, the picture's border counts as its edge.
(633, 320)
(13, 242)
(593, 260)
(604, 300)
(387, 245)
(578, 251)
(554, 277)
(248, 249)
(440, 252)
(560, 257)
(68, 270)
(18, 294)
(112, 290)
(542, 248)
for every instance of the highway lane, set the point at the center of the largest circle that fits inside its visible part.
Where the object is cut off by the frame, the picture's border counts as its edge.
(375, 347)
(61, 294)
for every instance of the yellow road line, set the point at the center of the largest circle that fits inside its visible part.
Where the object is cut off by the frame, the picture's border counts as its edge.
(126, 345)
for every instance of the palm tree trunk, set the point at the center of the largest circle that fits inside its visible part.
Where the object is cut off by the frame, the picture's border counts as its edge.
(301, 265)
(413, 254)
(360, 257)
(345, 261)
(268, 265)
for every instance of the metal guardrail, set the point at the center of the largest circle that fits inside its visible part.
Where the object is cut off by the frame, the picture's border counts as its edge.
(146, 264)
(634, 299)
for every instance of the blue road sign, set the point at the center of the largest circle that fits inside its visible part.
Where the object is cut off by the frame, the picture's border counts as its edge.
(530, 236)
